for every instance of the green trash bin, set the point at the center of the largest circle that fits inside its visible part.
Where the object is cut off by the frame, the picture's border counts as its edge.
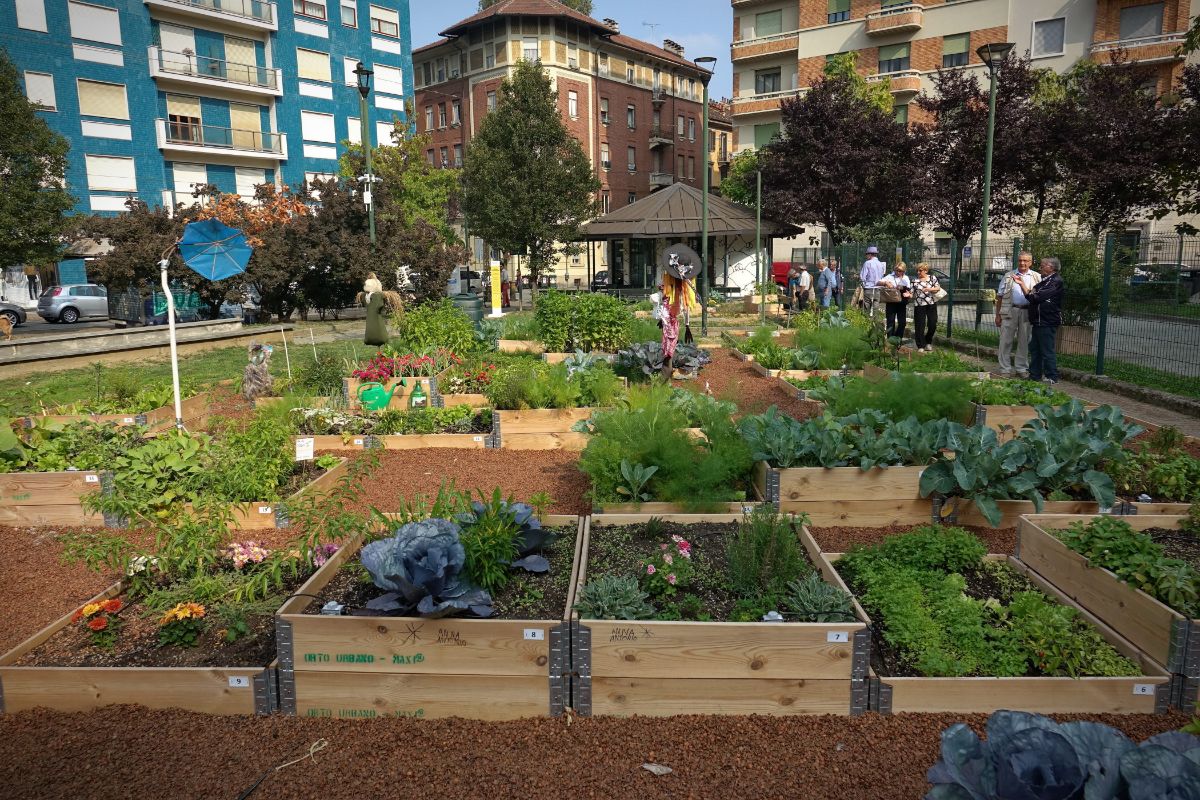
(471, 305)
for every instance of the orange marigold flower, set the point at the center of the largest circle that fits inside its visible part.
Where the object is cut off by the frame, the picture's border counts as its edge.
(98, 623)
(112, 606)
(78, 615)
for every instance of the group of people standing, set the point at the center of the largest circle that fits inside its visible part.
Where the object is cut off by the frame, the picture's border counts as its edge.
(895, 290)
(828, 289)
(1029, 313)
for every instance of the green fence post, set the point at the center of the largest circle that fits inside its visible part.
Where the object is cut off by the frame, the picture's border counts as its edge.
(950, 291)
(1109, 246)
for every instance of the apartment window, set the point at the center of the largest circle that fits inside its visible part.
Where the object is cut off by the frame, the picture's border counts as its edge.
(441, 115)
(891, 3)
(349, 15)
(763, 134)
(679, 166)
(902, 114)
(441, 70)
(691, 168)
(1139, 22)
(631, 116)
(427, 72)
(631, 198)
(838, 11)
(354, 130)
(529, 48)
(94, 23)
(385, 21)
(39, 88)
(692, 88)
(605, 203)
(184, 122)
(430, 155)
(389, 80)
(313, 65)
(110, 173)
(186, 177)
(489, 55)
(458, 156)
(316, 127)
(603, 63)
(444, 152)
(956, 50)
(246, 179)
(1049, 37)
(456, 113)
(768, 23)
(573, 104)
(894, 57)
(767, 81)
(98, 99)
(691, 129)
(629, 73)
(31, 15)
(679, 126)
(428, 118)
(631, 157)
(605, 161)
(604, 110)
(491, 101)
(307, 8)
(572, 55)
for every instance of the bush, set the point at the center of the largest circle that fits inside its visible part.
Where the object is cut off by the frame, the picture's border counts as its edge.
(536, 384)
(322, 376)
(906, 395)
(585, 321)
(433, 325)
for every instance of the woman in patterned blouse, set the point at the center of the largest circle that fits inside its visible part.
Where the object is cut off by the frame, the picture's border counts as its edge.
(925, 289)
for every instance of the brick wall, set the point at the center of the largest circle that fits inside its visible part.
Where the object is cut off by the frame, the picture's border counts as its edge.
(1176, 14)
(809, 71)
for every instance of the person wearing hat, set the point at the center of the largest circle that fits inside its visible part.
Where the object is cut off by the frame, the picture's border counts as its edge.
(870, 275)
(680, 266)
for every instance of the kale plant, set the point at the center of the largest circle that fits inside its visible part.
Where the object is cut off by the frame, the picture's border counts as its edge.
(422, 570)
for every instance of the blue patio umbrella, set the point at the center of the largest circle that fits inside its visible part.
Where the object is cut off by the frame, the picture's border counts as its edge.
(213, 250)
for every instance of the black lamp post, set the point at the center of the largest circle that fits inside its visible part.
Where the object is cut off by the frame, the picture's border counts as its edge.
(364, 88)
(993, 56)
(705, 63)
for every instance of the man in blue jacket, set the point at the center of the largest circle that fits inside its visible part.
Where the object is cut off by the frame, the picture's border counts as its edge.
(1045, 316)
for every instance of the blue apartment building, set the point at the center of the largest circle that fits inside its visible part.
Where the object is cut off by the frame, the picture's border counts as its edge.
(155, 96)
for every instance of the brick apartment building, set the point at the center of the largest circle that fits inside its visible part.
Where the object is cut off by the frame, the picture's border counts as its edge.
(780, 46)
(635, 107)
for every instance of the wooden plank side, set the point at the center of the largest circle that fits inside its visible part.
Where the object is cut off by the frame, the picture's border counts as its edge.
(609, 519)
(46, 488)
(413, 645)
(38, 639)
(1139, 522)
(653, 649)
(400, 395)
(568, 440)
(848, 483)
(541, 420)
(253, 516)
(461, 441)
(658, 509)
(325, 443)
(202, 689)
(660, 697)
(323, 482)
(1134, 615)
(1041, 695)
(472, 400)
(861, 513)
(368, 696)
(66, 514)
(520, 346)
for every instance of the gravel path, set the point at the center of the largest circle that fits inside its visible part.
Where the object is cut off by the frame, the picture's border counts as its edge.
(403, 474)
(126, 752)
(38, 587)
(730, 378)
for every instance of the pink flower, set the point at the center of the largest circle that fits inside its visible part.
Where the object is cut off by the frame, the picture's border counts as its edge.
(667, 559)
(671, 579)
(650, 570)
(663, 545)
(675, 537)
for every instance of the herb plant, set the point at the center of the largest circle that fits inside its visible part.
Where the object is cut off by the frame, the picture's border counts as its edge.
(764, 556)
(811, 599)
(613, 597)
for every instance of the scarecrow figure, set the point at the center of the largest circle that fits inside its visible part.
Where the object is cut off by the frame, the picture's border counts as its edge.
(679, 299)
(380, 304)
(256, 379)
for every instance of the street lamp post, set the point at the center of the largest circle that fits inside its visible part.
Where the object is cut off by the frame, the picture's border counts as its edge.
(364, 88)
(706, 72)
(758, 260)
(993, 56)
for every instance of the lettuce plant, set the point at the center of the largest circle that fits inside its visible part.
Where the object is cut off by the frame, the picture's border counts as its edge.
(1031, 757)
(422, 570)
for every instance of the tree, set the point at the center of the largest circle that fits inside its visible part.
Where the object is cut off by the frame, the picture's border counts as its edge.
(878, 94)
(582, 6)
(418, 190)
(840, 161)
(528, 185)
(1116, 153)
(739, 186)
(33, 166)
(951, 149)
(1180, 175)
(138, 239)
(1191, 42)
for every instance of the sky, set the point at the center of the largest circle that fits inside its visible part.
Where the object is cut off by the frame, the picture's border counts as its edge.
(703, 27)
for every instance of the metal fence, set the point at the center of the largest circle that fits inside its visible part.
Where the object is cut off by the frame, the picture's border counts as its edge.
(1132, 305)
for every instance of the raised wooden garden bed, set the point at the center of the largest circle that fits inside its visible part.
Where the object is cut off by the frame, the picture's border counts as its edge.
(1014, 417)
(1148, 693)
(413, 441)
(659, 668)
(1164, 634)
(195, 411)
(211, 690)
(558, 358)
(520, 346)
(401, 395)
(540, 429)
(751, 305)
(364, 667)
(472, 400)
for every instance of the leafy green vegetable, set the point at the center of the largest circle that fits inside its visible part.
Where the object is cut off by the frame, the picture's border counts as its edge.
(422, 568)
(614, 597)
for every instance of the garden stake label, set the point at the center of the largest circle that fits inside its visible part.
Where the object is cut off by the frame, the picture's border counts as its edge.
(304, 448)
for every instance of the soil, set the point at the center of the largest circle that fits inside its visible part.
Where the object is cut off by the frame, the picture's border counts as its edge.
(529, 595)
(1178, 544)
(119, 752)
(730, 378)
(1190, 445)
(404, 474)
(838, 539)
(621, 550)
(304, 473)
(38, 587)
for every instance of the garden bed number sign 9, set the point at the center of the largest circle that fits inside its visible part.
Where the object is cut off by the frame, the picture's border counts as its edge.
(494, 267)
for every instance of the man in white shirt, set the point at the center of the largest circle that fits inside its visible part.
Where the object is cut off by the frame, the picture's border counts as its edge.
(872, 269)
(1012, 317)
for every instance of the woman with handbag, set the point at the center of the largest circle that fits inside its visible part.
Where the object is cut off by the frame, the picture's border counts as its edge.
(896, 291)
(926, 293)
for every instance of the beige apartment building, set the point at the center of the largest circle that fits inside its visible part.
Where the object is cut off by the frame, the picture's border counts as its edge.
(780, 46)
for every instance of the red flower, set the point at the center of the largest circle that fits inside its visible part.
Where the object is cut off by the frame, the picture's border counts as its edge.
(98, 623)
(112, 606)
(78, 615)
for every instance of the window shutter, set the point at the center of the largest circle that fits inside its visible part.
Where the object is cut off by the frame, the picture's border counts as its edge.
(768, 23)
(39, 88)
(1141, 21)
(102, 99)
(312, 65)
(110, 173)
(389, 80)
(838, 6)
(958, 43)
(893, 51)
(94, 23)
(316, 127)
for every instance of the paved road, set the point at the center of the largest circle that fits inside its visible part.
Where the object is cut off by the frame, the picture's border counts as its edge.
(36, 326)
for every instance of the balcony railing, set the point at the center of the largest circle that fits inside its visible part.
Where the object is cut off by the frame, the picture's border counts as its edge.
(661, 179)
(1145, 48)
(257, 10)
(906, 81)
(763, 46)
(197, 66)
(893, 19)
(195, 134)
(661, 135)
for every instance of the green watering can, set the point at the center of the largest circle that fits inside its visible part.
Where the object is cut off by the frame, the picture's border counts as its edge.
(373, 397)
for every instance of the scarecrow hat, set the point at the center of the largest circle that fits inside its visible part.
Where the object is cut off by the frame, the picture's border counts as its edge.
(680, 261)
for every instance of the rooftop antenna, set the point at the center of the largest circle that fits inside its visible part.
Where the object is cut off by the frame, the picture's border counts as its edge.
(651, 26)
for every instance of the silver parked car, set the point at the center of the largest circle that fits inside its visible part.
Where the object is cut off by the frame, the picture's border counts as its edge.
(73, 303)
